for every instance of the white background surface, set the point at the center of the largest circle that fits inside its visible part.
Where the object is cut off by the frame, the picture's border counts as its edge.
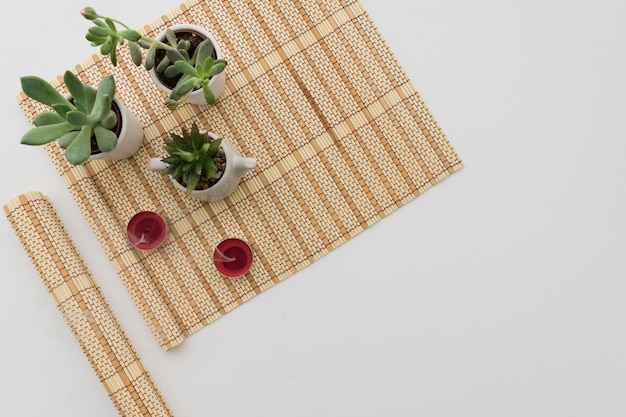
(499, 292)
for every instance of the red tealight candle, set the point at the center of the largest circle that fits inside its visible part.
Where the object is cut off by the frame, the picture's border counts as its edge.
(146, 230)
(233, 257)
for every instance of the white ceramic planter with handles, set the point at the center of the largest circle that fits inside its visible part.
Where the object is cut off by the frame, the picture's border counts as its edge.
(216, 83)
(236, 166)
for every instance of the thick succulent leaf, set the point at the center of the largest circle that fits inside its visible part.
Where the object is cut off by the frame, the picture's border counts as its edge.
(76, 88)
(183, 45)
(106, 139)
(180, 52)
(47, 118)
(197, 168)
(99, 31)
(192, 179)
(171, 71)
(209, 167)
(106, 47)
(214, 146)
(96, 40)
(90, 98)
(150, 57)
(186, 68)
(175, 55)
(107, 86)
(104, 96)
(45, 134)
(209, 96)
(109, 121)
(204, 51)
(185, 155)
(163, 65)
(77, 118)
(63, 108)
(130, 35)
(113, 54)
(205, 67)
(83, 106)
(65, 140)
(99, 22)
(170, 160)
(101, 109)
(189, 166)
(197, 140)
(176, 171)
(42, 91)
(170, 150)
(170, 36)
(218, 67)
(80, 149)
(145, 43)
(110, 24)
(184, 87)
(135, 53)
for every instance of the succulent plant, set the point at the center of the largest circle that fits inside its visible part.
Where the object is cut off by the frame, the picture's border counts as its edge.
(192, 157)
(74, 121)
(196, 70)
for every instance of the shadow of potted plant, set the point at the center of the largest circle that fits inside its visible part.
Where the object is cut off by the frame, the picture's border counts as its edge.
(202, 164)
(185, 61)
(88, 123)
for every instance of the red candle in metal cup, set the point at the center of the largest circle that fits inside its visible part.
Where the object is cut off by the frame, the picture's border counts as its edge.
(233, 257)
(146, 230)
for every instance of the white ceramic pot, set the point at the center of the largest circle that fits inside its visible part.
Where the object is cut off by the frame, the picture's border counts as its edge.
(129, 139)
(217, 82)
(236, 166)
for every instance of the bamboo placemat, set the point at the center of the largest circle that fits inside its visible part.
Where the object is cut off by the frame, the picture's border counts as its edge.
(341, 137)
(84, 307)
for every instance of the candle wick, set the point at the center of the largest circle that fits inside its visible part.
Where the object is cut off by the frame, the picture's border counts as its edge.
(224, 257)
(143, 239)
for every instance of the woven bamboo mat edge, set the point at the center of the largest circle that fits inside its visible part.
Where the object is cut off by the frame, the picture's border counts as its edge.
(84, 307)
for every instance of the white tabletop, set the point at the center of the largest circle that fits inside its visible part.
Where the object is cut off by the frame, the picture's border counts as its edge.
(502, 287)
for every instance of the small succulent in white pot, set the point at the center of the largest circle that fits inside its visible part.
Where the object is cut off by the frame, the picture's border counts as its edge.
(196, 79)
(88, 122)
(202, 164)
(188, 71)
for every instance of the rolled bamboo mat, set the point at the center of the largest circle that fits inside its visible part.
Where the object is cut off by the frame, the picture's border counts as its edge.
(82, 304)
(316, 96)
